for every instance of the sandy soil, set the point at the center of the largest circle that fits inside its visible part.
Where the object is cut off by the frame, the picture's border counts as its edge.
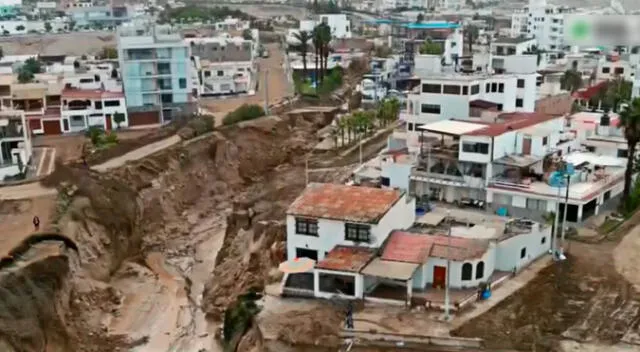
(627, 260)
(276, 79)
(76, 43)
(16, 219)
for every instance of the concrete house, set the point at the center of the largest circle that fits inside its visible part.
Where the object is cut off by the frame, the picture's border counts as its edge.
(15, 143)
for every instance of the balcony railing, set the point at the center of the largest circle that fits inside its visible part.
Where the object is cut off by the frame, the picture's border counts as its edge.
(516, 183)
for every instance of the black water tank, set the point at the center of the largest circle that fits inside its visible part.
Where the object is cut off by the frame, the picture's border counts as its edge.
(605, 120)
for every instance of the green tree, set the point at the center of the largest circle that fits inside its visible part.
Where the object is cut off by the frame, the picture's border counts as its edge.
(32, 65)
(430, 48)
(118, 118)
(571, 80)
(323, 38)
(630, 122)
(71, 25)
(302, 47)
(108, 52)
(472, 32)
(243, 113)
(420, 18)
(25, 76)
(246, 34)
(20, 28)
(617, 91)
(47, 27)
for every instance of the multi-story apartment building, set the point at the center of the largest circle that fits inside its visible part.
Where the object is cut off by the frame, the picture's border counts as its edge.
(15, 143)
(445, 4)
(542, 21)
(408, 37)
(156, 74)
(224, 65)
(444, 94)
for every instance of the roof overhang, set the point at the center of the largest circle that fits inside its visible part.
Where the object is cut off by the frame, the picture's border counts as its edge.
(390, 270)
(451, 127)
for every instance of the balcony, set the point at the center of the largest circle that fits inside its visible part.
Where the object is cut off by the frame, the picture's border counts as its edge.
(12, 130)
(511, 182)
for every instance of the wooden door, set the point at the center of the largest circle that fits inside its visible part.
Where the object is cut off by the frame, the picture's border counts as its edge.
(51, 127)
(107, 122)
(526, 146)
(439, 276)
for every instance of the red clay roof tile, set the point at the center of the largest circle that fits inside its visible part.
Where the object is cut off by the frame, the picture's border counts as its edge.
(511, 122)
(342, 202)
(411, 247)
(344, 258)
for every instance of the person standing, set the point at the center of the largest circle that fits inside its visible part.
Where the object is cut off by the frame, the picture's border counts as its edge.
(36, 223)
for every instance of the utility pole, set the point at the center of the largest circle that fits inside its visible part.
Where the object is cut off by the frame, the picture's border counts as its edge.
(306, 170)
(360, 151)
(447, 316)
(555, 223)
(564, 216)
(266, 91)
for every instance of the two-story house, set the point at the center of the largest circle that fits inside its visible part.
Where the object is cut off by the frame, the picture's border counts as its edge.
(83, 108)
(15, 143)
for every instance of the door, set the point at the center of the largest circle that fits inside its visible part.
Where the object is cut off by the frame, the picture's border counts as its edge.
(107, 122)
(51, 127)
(306, 253)
(439, 276)
(65, 125)
(526, 146)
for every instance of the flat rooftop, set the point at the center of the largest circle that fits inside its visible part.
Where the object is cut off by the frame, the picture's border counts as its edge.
(509, 40)
(452, 127)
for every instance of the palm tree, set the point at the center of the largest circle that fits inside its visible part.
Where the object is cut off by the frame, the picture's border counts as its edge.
(571, 80)
(617, 91)
(430, 48)
(303, 38)
(342, 126)
(323, 36)
(630, 122)
(317, 47)
(420, 18)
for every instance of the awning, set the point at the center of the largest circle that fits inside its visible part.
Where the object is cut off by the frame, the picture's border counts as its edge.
(431, 218)
(390, 270)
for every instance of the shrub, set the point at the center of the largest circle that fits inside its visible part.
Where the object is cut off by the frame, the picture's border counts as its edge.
(111, 138)
(118, 117)
(243, 113)
(202, 124)
(95, 135)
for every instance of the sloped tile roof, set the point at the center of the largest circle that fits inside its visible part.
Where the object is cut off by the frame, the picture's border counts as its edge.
(416, 247)
(345, 258)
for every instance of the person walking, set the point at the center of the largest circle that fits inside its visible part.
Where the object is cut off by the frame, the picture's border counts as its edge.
(36, 223)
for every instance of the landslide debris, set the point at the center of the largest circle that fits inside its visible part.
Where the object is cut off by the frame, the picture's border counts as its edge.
(119, 217)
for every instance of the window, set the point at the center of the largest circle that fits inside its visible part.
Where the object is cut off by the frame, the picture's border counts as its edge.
(207, 73)
(182, 83)
(479, 270)
(111, 103)
(623, 153)
(606, 70)
(543, 240)
(536, 204)
(523, 252)
(501, 88)
(499, 107)
(451, 89)
(431, 88)
(220, 73)
(618, 70)
(410, 126)
(487, 88)
(480, 148)
(98, 105)
(475, 89)
(606, 196)
(357, 232)
(307, 227)
(545, 140)
(519, 102)
(591, 149)
(385, 181)
(467, 271)
(465, 90)
(430, 109)
(520, 83)
(494, 87)
(86, 80)
(306, 253)
(166, 98)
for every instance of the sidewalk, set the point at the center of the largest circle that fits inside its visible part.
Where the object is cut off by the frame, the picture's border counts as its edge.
(137, 154)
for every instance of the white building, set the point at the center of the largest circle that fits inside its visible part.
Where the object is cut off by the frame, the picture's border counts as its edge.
(445, 96)
(612, 66)
(84, 108)
(339, 24)
(635, 93)
(15, 143)
(542, 21)
(328, 215)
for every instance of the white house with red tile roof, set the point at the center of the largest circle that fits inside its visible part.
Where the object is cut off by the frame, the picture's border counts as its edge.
(327, 215)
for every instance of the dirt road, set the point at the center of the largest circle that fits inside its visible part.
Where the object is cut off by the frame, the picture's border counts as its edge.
(276, 81)
(75, 43)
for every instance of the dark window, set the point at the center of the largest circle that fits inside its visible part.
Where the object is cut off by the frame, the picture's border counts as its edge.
(112, 103)
(591, 149)
(520, 83)
(451, 89)
(182, 83)
(501, 88)
(166, 98)
(306, 253)
(465, 90)
(487, 88)
(545, 140)
(385, 181)
(410, 126)
(220, 73)
(523, 252)
(357, 232)
(543, 240)
(479, 270)
(207, 73)
(618, 70)
(480, 148)
(606, 70)
(607, 196)
(475, 89)
(467, 271)
(519, 103)
(623, 153)
(494, 87)
(98, 105)
(430, 109)
(499, 107)
(431, 88)
(307, 227)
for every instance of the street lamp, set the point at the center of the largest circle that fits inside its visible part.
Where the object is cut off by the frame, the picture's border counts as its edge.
(447, 315)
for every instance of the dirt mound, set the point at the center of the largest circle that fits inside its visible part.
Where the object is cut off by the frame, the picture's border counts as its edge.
(298, 328)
